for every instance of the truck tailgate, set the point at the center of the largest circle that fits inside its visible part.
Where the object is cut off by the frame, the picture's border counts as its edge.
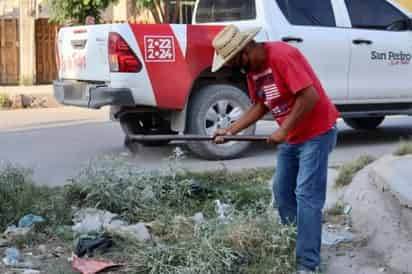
(83, 53)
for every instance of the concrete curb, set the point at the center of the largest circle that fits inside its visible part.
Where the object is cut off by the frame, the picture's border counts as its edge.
(379, 199)
(392, 173)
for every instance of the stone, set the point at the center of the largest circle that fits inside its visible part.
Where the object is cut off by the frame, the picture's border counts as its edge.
(392, 174)
(378, 198)
(39, 102)
(16, 101)
(26, 100)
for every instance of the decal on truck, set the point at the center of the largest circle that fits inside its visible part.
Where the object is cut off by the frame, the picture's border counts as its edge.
(75, 61)
(394, 58)
(159, 48)
(165, 58)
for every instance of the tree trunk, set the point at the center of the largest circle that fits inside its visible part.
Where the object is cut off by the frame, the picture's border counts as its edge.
(155, 14)
(177, 12)
(159, 9)
(166, 13)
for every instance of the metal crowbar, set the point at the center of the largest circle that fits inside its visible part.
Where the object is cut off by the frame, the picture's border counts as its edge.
(192, 137)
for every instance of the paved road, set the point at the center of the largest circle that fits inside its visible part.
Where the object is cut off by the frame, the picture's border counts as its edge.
(57, 143)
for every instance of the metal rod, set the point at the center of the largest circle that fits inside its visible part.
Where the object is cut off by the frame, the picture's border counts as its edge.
(188, 137)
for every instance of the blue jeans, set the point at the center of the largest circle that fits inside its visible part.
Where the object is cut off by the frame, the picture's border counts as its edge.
(299, 188)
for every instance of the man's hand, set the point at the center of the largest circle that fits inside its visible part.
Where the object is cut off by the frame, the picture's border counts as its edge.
(218, 136)
(279, 136)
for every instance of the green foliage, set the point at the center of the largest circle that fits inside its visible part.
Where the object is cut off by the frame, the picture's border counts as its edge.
(248, 240)
(347, 171)
(121, 188)
(158, 8)
(5, 101)
(63, 11)
(248, 243)
(20, 196)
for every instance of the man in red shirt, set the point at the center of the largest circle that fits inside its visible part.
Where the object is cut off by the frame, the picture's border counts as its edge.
(281, 81)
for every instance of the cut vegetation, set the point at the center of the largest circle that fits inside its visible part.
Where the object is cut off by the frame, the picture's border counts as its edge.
(347, 171)
(5, 101)
(405, 148)
(248, 239)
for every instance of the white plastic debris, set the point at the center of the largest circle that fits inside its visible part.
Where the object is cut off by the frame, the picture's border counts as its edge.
(178, 153)
(222, 210)
(137, 231)
(31, 271)
(91, 220)
(336, 236)
(199, 218)
(347, 209)
(12, 256)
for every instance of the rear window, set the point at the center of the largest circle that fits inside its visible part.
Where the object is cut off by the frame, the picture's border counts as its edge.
(225, 10)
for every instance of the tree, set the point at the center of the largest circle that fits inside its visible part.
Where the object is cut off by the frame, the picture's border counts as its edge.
(158, 8)
(63, 11)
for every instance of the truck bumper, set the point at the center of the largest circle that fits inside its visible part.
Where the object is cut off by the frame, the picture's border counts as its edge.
(90, 95)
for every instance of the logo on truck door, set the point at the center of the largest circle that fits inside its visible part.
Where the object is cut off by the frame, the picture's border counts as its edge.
(159, 48)
(393, 58)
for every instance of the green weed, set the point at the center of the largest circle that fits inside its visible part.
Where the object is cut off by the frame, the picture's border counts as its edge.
(405, 148)
(347, 171)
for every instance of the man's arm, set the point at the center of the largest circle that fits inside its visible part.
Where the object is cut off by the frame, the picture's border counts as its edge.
(252, 115)
(306, 100)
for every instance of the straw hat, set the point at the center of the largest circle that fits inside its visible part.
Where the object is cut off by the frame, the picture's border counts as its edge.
(229, 42)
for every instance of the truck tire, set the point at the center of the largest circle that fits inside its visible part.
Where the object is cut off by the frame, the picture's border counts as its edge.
(144, 124)
(217, 106)
(364, 123)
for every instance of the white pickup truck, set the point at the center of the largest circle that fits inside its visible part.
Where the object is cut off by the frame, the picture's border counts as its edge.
(157, 78)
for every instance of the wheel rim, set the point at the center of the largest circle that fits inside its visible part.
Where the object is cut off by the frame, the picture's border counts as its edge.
(222, 114)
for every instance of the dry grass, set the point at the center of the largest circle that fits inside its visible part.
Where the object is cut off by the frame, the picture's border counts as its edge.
(249, 240)
(405, 148)
(5, 101)
(20, 196)
(337, 209)
(348, 171)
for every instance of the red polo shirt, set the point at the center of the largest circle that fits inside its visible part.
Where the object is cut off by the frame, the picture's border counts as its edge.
(285, 74)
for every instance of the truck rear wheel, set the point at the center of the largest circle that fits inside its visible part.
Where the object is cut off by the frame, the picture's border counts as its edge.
(212, 107)
(364, 123)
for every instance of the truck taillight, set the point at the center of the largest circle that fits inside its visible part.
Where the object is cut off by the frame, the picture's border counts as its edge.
(121, 57)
